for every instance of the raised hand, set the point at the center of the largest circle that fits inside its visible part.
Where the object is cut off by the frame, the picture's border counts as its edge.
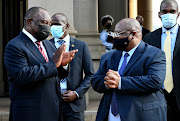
(68, 56)
(58, 55)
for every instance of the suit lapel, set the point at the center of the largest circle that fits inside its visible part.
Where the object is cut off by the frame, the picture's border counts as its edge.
(177, 44)
(32, 47)
(53, 41)
(72, 44)
(158, 38)
(115, 60)
(136, 55)
(48, 50)
(71, 47)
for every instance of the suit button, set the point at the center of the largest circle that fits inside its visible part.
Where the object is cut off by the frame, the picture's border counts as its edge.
(57, 101)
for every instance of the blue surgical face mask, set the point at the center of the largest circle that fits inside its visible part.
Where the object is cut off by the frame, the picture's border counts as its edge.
(57, 31)
(169, 20)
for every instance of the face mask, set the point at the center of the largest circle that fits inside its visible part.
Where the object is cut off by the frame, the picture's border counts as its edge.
(43, 32)
(57, 31)
(121, 44)
(169, 20)
(108, 26)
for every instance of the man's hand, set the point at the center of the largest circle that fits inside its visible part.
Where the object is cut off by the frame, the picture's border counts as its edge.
(58, 55)
(112, 79)
(68, 56)
(69, 96)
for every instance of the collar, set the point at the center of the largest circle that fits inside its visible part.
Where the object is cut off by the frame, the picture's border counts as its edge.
(131, 51)
(29, 35)
(66, 39)
(172, 30)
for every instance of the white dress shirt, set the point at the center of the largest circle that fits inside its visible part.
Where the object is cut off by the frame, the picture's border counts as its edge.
(67, 42)
(111, 117)
(34, 40)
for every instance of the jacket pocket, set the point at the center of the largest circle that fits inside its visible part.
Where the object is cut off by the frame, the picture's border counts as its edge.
(151, 106)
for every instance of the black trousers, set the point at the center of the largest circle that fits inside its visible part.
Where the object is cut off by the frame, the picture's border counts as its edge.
(69, 115)
(173, 113)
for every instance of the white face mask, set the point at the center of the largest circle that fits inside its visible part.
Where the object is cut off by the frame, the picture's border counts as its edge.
(169, 20)
(57, 31)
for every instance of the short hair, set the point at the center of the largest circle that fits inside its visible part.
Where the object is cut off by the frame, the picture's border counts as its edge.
(31, 12)
(139, 16)
(105, 18)
(61, 14)
(168, 2)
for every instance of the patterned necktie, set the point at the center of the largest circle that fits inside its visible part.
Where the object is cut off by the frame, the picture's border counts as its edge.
(61, 41)
(168, 82)
(42, 52)
(114, 107)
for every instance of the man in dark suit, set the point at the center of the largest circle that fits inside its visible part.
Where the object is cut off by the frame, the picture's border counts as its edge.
(33, 70)
(141, 21)
(168, 15)
(74, 86)
(131, 78)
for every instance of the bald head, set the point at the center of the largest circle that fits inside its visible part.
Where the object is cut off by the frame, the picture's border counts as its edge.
(130, 29)
(128, 24)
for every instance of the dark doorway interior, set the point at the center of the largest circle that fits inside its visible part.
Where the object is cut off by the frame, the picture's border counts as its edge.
(118, 9)
(12, 21)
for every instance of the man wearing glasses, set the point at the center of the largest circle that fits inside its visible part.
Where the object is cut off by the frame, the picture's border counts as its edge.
(131, 78)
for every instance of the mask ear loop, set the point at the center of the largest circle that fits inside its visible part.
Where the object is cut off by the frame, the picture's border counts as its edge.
(132, 37)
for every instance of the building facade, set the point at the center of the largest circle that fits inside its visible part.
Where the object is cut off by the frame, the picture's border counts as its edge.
(84, 18)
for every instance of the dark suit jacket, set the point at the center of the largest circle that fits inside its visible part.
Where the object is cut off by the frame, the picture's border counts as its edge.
(144, 32)
(140, 97)
(82, 62)
(154, 38)
(33, 83)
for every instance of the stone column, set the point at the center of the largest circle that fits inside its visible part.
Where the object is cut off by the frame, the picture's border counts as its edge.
(1, 53)
(86, 23)
(57, 6)
(132, 8)
(145, 10)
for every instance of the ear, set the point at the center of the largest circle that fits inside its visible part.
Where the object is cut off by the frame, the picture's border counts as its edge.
(67, 26)
(29, 21)
(178, 14)
(159, 14)
(134, 33)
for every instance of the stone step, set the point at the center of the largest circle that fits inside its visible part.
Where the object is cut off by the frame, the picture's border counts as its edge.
(97, 48)
(96, 55)
(90, 113)
(94, 43)
(89, 116)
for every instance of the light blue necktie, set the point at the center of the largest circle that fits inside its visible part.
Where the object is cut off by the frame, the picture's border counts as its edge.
(61, 41)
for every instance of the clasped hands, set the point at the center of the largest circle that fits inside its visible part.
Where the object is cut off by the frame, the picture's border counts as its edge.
(112, 79)
(69, 96)
(61, 57)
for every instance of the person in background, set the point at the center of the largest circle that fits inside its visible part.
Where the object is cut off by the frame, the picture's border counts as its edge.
(141, 21)
(33, 70)
(75, 85)
(167, 38)
(106, 40)
(131, 78)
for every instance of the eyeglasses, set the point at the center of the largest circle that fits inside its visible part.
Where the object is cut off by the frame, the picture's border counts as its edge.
(119, 34)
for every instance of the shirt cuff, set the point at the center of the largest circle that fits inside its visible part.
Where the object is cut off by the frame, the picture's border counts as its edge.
(65, 67)
(77, 94)
(119, 87)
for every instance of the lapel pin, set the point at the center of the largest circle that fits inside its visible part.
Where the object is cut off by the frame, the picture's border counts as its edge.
(72, 45)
